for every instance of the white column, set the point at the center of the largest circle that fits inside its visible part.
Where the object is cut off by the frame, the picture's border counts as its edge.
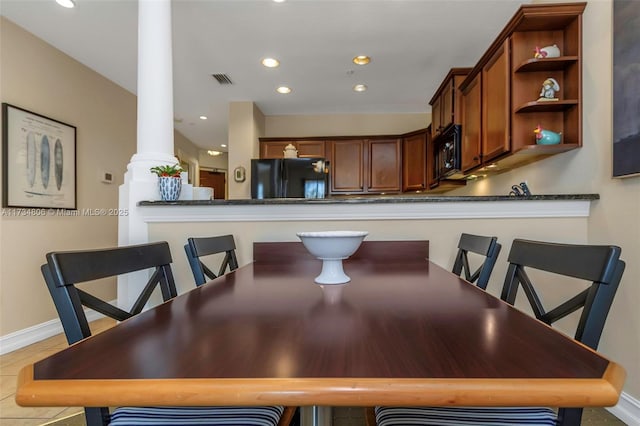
(155, 88)
(154, 131)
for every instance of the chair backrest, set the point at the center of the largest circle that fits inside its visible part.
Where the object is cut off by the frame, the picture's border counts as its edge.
(600, 266)
(484, 246)
(64, 270)
(205, 246)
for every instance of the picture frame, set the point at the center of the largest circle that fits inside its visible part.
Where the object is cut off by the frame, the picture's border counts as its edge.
(39, 161)
(626, 89)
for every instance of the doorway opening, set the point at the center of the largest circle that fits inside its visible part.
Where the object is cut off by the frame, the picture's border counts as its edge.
(216, 179)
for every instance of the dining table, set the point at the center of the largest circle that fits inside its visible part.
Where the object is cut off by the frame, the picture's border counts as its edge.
(404, 331)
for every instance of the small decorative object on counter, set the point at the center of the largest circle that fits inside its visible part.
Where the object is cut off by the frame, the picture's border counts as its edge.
(169, 181)
(290, 151)
(546, 137)
(546, 52)
(549, 88)
(521, 190)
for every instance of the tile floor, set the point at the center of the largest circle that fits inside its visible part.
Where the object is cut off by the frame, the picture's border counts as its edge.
(13, 415)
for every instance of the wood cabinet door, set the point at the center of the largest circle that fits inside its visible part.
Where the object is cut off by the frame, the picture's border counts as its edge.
(414, 162)
(432, 181)
(446, 105)
(495, 105)
(471, 119)
(384, 165)
(308, 149)
(347, 166)
(273, 149)
(436, 117)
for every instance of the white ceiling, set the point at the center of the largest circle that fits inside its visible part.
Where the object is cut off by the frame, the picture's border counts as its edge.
(413, 44)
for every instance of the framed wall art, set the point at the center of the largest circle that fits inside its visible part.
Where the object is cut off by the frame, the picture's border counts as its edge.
(626, 88)
(39, 161)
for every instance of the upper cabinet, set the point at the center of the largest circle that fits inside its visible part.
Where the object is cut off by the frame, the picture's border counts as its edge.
(348, 163)
(495, 104)
(365, 166)
(530, 86)
(445, 104)
(274, 148)
(471, 116)
(414, 160)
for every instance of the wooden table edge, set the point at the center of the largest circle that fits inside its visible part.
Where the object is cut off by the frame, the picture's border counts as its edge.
(596, 392)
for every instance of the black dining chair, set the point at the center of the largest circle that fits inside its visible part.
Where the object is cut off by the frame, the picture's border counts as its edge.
(597, 265)
(487, 247)
(198, 247)
(64, 271)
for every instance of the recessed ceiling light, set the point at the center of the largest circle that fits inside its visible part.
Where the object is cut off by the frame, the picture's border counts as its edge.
(270, 62)
(223, 145)
(360, 87)
(283, 89)
(361, 60)
(279, 1)
(203, 117)
(214, 153)
(69, 4)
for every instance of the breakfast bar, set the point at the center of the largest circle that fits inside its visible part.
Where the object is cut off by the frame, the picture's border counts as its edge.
(438, 219)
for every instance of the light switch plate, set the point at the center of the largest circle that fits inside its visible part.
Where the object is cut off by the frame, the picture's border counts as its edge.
(106, 177)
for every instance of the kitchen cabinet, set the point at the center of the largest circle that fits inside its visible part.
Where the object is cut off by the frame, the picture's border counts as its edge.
(495, 104)
(511, 78)
(471, 117)
(274, 148)
(445, 104)
(384, 171)
(365, 166)
(348, 163)
(414, 160)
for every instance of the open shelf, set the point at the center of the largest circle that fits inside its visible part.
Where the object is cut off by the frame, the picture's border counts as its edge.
(549, 64)
(547, 106)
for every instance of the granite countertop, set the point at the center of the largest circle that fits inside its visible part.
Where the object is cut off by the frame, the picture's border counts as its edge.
(373, 199)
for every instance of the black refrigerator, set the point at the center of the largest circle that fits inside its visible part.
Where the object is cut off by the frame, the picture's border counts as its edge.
(289, 178)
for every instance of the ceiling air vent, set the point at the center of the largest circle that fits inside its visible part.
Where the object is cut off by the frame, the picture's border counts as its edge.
(222, 78)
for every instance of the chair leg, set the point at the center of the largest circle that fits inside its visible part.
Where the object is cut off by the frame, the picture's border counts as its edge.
(287, 415)
(569, 416)
(96, 416)
(370, 416)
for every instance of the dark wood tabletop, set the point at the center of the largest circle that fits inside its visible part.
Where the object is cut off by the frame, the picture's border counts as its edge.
(403, 331)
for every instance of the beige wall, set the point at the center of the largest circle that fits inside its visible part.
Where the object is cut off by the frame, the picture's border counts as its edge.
(344, 125)
(615, 218)
(246, 125)
(39, 78)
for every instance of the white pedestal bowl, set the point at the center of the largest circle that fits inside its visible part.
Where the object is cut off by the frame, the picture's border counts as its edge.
(332, 247)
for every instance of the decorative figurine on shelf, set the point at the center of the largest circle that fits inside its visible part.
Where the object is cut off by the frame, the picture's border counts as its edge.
(546, 137)
(547, 52)
(549, 88)
(290, 151)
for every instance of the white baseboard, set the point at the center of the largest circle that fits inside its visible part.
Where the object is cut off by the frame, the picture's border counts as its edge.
(627, 410)
(25, 337)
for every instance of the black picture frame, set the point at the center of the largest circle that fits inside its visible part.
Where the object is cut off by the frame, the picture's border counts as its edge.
(39, 161)
(626, 88)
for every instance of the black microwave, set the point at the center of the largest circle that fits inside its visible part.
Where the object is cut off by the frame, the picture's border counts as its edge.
(448, 156)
